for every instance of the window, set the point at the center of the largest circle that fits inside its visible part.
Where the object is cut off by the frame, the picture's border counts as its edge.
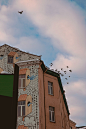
(10, 59)
(21, 108)
(50, 88)
(51, 114)
(21, 81)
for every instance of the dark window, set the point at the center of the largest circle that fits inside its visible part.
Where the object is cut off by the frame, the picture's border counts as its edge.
(22, 81)
(51, 114)
(21, 108)
(50, 88)
(10, 59)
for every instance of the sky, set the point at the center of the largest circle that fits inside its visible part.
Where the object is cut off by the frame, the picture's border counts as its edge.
(55, 29)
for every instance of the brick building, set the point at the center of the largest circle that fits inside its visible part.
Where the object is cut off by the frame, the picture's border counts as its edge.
(41, 98)
(72, 125)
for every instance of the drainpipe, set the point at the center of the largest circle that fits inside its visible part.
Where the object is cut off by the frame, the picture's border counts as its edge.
(44, 97)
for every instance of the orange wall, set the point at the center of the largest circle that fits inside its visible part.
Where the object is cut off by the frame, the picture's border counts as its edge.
(41, 99)
(52, 101)
(56, 100)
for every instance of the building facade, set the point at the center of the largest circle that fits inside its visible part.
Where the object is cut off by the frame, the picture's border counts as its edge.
(41, 98)
(72, 125)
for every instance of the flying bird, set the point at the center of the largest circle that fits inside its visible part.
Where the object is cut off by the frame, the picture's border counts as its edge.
(61, 68)
(65, 72)
(67, 82)
(67, 67)
(66, 78)
(56, 70)
(69, 76)
(51, 64)
(20, 12)
(70, 70)
(62, 74)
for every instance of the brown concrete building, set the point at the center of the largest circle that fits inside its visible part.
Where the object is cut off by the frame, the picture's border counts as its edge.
(41, 99)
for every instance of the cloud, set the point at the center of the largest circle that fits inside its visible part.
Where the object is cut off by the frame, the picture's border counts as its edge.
(75, 94)
(77, 64)
(30, 44)
(61, 20)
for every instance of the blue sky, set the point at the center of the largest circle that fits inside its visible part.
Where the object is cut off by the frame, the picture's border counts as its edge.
(57, 31)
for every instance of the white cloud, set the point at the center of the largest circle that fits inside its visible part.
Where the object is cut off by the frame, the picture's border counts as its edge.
(61, 20)
(75, 94)
(75, 63)
(30, 44)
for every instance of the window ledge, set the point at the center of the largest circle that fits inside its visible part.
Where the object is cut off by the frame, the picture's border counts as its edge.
(21, 116)
(51, 94)
(52, 121)
(22, 88)
(9, 63)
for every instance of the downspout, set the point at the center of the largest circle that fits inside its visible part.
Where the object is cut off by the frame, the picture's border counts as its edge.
(44, 97)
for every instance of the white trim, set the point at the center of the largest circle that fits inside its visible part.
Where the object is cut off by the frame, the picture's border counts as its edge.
(21, 109)
(26, 61)
(51, 115)
(22, 83)
(50, 88)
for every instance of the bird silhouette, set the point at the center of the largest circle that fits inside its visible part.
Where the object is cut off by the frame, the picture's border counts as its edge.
(65, 72)
(66, 78)
(70, 70)
(31, 78)
(67, 82)
(29, 104)
(69, 76)
(62, 74)
(51, 64)
(20, 12)
(67, 67)
(56, 70)
(61, 68)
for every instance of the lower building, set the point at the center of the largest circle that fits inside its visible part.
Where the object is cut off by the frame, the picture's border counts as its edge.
(41, 99)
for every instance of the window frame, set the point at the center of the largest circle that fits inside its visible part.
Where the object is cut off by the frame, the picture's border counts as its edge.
(21, 105)
(9, 58)
(50, 113)
(50, 92)
(22, 78)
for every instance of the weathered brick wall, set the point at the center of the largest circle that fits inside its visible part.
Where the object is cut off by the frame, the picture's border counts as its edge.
(31, 89)
(32, 119)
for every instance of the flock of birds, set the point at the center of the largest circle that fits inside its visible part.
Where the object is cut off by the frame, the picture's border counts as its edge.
(60, 73)
(52, 63)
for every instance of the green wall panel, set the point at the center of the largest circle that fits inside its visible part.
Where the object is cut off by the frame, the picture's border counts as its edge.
(6, 85)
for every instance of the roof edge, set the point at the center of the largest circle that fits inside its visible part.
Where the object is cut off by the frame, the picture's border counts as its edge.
(20, 50)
